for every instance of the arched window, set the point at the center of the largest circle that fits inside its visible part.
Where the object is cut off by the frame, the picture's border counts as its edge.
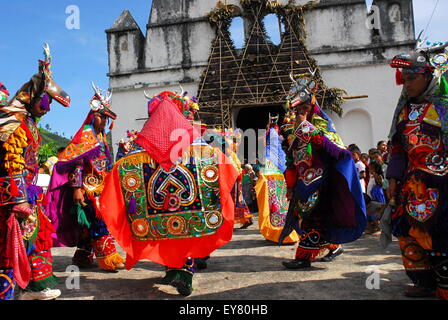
(274, 28)
(356, 127)
(236, 30)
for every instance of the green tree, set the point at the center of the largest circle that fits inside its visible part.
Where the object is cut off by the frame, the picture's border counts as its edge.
(47, 150)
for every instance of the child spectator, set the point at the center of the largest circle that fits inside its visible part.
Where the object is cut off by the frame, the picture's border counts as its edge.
(376, 194)
(382, 146)
(249, 181)
(365, 159)
(360, 167)
(377, 156)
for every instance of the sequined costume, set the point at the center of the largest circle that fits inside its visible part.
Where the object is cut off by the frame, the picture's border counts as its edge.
(228, 141)
(25, 231)
(419, 163)
(169, 200)
(83, 165)
(327, 206)
(271, 188)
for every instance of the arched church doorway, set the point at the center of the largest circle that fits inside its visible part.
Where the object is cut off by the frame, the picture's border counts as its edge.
(257, 117)
(253, 122)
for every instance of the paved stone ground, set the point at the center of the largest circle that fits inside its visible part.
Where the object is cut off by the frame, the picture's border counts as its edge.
(249, 268)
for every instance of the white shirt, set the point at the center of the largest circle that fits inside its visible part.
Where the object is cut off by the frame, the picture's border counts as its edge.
(360, 167)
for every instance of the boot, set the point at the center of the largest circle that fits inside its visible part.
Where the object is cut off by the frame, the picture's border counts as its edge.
(183, 283)
(332, 255)
(247, 224)
(83, 259)
(201, 263)
(418, 292)
(170, 275)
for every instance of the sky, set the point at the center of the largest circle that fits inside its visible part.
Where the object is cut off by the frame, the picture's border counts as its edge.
(80, 54)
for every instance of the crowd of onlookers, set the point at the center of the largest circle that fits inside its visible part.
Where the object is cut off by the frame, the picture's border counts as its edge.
(372, 167)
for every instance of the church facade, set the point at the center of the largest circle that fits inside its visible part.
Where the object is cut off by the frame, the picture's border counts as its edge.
(186, 46)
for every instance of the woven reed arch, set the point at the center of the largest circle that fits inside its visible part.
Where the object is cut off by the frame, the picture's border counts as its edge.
(259, 74)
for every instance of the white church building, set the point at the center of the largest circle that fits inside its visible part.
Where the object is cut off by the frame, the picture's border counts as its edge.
(351, 46)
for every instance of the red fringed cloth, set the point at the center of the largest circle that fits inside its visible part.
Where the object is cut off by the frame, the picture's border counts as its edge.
(15, 250)
(172, 253)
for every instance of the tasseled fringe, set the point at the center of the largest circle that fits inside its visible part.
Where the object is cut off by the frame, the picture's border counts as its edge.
(442, 294)
(135, 159)
(144, 157)
(13, 186)
(64, 166)
(275, 176)
(111, 262)
(307, 254)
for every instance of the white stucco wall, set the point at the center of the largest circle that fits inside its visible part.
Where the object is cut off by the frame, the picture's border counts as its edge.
(338, 39)
(365, 121)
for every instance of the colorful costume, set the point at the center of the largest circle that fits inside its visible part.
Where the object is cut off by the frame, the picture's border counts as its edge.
(327, 205)
(248, 182)
(125, 146)
(271, 189)
(243, 216)
(227, 141)
(419, 163)
(25, 232)
(168, 200)
(84, 164)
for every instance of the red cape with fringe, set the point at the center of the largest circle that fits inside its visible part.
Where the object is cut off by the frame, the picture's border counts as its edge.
(174, 252)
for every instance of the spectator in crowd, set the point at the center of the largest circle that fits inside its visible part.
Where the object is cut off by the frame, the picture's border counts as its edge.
(382, 146)
(376, 194)
(376, 155)
(360, 166)
(249, 181)
(366, 160)
(372, 152)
